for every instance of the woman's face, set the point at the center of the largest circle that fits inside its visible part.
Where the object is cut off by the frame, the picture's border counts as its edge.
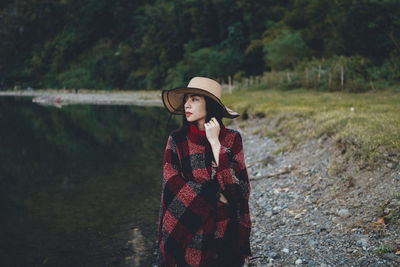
(195, 108)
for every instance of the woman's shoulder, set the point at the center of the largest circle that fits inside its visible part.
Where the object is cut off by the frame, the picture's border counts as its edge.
(232, 132)
(178, 135)
(231, 136)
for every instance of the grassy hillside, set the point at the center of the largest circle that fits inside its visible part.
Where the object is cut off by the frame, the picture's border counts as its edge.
(365, 127)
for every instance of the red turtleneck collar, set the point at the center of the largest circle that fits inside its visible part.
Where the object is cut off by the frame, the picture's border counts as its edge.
(197, 131)
(199, 136)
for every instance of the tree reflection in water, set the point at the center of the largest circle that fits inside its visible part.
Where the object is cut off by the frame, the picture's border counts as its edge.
(80, 186)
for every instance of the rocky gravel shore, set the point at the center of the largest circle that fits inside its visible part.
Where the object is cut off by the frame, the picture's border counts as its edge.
(303, 215)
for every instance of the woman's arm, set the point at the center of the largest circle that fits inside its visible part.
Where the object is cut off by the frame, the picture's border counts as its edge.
(231, 171)
(230, 167)
(216, 146)
(212, 131)
(232, 177)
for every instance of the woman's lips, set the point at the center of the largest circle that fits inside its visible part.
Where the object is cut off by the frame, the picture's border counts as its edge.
(188, 114)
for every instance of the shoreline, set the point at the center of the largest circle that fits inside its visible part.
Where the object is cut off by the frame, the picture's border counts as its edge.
(63, 98)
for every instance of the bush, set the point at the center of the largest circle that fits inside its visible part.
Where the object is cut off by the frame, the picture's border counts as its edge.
(327, 74)
(389, 71)
(211, 62)
(79, 77)
(285, 50)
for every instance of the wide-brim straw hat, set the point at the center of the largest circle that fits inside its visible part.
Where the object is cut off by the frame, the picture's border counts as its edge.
(173, 98)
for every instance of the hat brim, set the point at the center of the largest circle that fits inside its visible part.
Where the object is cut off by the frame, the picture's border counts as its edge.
(173, 100)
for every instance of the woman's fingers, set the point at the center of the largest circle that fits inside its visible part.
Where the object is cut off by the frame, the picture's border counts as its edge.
(223, 199)
(210, 123)
(212, 130)
(213, 121)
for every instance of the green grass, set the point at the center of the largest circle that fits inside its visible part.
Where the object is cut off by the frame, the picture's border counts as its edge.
(382, 249)
(368, 124)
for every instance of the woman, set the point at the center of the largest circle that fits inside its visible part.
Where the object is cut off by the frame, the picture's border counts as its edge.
(204, 211)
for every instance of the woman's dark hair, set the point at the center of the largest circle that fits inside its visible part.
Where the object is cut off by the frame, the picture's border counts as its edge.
(213, 109)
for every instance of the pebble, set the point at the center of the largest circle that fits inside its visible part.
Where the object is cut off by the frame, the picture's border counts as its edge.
(260, 201)
(298, 262)
(390, 165)
(312, 243)
(391, 257)
(321, 229)
(268, 214)
(344, 213)
(274, 211)
(298, 216)
(285, 250)
(273, 255)
(362, 242)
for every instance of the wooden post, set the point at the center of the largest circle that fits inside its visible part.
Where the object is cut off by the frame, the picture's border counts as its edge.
(372, 85)
(330, 80)
(273, 78)
(319, 74)
(307, 77)
(342, 76)
(289, 79)
(230, 84)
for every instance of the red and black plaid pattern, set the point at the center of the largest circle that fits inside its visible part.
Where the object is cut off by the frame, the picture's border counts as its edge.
(195, 229)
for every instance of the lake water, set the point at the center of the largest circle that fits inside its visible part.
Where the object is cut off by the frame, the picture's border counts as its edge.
(81, 185)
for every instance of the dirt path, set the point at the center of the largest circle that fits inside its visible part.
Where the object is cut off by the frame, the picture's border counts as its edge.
(303, 215)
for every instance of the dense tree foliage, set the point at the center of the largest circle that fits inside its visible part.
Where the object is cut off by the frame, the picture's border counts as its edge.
(155, 44)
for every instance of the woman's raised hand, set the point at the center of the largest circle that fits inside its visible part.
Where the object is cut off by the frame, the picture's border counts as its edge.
(212, 131)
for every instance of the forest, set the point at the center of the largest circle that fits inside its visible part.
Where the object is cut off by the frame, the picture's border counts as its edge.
(351, 45)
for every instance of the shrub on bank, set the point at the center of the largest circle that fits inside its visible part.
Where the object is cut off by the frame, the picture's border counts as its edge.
(339, 73)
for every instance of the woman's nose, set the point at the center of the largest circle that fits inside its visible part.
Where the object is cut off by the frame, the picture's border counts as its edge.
(187, 104)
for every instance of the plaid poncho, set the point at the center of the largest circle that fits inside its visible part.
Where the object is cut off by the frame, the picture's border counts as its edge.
(195, 228)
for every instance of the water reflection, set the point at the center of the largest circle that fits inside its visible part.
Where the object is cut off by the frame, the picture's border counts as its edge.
(80, 186)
